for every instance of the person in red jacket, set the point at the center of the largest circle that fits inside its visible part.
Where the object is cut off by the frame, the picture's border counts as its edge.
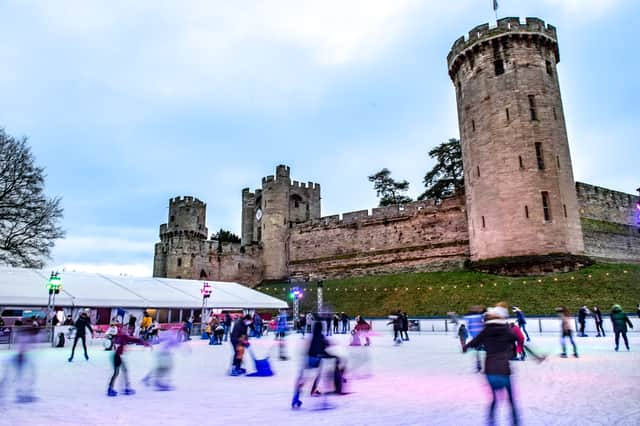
(519, 353)
(120, 341)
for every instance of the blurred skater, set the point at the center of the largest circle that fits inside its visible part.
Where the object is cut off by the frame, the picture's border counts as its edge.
(463, 335)
(281, 334)
(311, 366)
(498, 339)
(360, 332)
(82, 323)
(20, 369)
(396, 322)
(620, 321)
(475, 324)
(597, 317)
(121, 340)
(239, 338)
(566, 324)
(404, 332)
(582, 319)
(160, 374)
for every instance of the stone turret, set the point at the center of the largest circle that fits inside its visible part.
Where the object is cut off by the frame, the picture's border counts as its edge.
(520, 191)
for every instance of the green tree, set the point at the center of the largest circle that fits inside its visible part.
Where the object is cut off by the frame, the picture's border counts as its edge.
(446, 178)
(28, 219)
(224, 236)
(389, 191)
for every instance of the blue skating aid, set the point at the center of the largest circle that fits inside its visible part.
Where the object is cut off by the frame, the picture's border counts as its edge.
(263, 368)
(204, 336)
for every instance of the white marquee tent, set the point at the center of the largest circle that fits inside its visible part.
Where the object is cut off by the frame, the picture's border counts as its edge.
(27, 287)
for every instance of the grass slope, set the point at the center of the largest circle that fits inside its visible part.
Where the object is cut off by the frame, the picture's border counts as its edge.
(436, 293)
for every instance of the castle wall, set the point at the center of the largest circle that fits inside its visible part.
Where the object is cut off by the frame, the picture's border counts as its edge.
(609, 223)
(419, 237)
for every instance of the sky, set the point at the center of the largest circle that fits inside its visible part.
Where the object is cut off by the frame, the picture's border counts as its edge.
(127, 104)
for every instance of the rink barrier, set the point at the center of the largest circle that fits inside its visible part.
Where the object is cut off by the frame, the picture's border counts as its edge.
(539, 325)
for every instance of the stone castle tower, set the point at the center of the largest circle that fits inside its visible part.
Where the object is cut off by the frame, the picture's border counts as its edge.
(520, 192)
(182, 239)
(268, 214)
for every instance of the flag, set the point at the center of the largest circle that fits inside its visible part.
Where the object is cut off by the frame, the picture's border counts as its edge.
(495, 5)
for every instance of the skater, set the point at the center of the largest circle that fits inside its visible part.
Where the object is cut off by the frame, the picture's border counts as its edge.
(582, 318)
(239, 341)
(82, 323)
(620, 320)
(475, 324)
(567, 331)
(159, 376)
(396, 321)
(638, 310)
(328, 320)
(303, 324)
(310, 320)
(463, 335)
(360, 331)
(257, 325)
(498, 339)
(227, 325)
(131, 327)
(68, 320)
(345, 322)
(404, 332)
(311, 366)
(20, 368)
(218, 334)
(121, 340)
(281, 334)
(144, 325)
(597, 317)
(521, 321)
(336, 323)
(109, 336)
(518, 349)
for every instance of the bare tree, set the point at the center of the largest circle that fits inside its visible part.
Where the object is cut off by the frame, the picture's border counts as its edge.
(28, 219)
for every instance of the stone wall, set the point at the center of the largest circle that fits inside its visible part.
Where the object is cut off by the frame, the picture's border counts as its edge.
(418, 237)
(609, 223)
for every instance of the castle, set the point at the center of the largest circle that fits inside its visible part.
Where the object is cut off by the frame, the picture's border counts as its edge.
(522, 212)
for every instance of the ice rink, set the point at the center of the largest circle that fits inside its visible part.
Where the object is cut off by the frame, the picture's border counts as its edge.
(424, 381)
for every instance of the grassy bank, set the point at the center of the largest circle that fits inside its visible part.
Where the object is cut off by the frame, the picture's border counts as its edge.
(436, 293)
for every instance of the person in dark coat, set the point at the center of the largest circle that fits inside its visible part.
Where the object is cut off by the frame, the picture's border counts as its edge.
(404, 323)
(120, 341)
(498, 339)
(597, 317)
(396, 320)
(315, 353)
(336, 323)
(82, 323)
(620, 321)
(239, 338)
(582, 318)
(345, 322)
(227, 325)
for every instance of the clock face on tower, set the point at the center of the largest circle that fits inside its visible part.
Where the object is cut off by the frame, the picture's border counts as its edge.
(258, 214)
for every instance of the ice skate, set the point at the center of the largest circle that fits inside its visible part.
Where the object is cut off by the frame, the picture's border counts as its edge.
(25, 399)
(129, 391)
(111, 392)
(163, 387)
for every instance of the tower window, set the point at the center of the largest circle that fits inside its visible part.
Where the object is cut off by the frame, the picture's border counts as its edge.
(498, 66)
(459, 88)
(532, 108)
(558, 161)
(179, 262)
(520, 161)
(507, 113)
(539, 156)
(526, 212)
(549, 68)
(478, 170)
(172, 219)
(546, 206)
(473, 125)
(483, 223)
(555, 114)
(564, 207)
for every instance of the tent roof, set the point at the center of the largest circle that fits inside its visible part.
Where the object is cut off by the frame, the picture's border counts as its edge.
(26, 287)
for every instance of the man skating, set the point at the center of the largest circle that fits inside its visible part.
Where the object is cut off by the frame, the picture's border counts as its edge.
(82, 323)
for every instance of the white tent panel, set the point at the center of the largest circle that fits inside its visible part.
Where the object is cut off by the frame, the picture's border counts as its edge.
(26, 287)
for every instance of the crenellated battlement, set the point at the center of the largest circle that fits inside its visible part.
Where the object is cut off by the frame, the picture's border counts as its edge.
(388, 213)
(305, 185)
(187, 201)
(533, 28)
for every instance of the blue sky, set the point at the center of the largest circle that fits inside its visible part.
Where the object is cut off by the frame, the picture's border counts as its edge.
(127, 104)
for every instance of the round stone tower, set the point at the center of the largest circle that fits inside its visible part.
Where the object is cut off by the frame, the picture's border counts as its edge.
(520, 193)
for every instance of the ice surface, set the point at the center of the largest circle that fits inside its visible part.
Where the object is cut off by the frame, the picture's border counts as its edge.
(424, 381)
